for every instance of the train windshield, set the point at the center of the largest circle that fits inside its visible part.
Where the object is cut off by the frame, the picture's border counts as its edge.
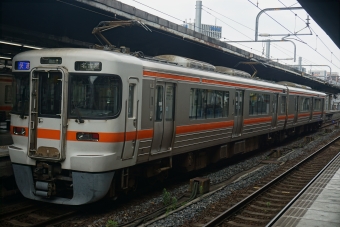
(95, 96)
(21, 93)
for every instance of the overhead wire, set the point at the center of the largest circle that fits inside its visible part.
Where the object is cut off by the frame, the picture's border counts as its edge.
(310, 28)
(293, 34)
(274, 45)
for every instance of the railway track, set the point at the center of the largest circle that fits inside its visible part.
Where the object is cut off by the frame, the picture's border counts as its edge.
(36, 214)
(267, 200)
(52, 215)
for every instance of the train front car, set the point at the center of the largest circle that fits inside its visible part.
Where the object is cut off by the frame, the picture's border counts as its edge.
(68, 122)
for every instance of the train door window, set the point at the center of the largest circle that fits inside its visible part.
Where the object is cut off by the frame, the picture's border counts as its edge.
(130, 100)
(8, 94)
(210, 104)
(283, 104)
(193, 103)
(240, 103)
(225, 103)
(275, 104)
(50, 93)
(169, 102)
(252, 104)
(159, 103)
(218, 112)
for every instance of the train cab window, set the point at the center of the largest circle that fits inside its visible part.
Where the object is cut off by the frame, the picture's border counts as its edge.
(283, 104)
(305, 104)
(21, 93)
(95, 95)
(130, 100)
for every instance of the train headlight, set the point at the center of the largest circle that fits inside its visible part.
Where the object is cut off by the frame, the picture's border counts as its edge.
(19, 131)
(86, 136)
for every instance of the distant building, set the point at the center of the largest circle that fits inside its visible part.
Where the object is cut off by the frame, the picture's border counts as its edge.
(333, 77)
(321, 74)
(208, 30)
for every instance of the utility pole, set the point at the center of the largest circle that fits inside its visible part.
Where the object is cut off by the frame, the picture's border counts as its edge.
(198, 16)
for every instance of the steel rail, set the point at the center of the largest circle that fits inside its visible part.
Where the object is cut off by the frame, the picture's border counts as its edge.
(301, 192)
(219, 219)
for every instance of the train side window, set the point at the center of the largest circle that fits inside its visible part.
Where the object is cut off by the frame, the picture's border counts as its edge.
(210, 104)
(218, 112)
(193, 103)
(296, 103)
(252, 104)
(305, 104)
(159, 103)
(201, 104)
(317, 104)
(265, 104)
(283, 104)
(8, 94)
(130, 100)
(225, 103)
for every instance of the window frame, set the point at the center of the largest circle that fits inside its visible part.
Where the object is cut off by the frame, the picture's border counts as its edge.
(93, 73)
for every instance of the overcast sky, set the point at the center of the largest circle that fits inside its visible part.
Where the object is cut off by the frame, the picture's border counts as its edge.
(237, 18)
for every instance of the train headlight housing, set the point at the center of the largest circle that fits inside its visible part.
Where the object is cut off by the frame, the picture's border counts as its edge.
(19, 131)
(86, 136)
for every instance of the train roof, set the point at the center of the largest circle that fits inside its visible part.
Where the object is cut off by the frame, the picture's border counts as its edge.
(164, 68)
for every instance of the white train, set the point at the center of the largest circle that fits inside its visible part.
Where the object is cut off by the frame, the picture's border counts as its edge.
(88, 123)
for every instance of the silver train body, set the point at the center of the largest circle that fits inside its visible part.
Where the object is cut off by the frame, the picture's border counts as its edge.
(88, 123)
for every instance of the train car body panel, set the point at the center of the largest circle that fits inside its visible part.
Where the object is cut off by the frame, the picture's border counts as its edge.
(110, 117)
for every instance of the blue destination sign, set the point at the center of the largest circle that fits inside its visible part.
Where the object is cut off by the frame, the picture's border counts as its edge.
(22, 65)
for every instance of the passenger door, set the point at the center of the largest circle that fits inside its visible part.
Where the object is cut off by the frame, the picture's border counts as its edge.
(131, 117)
(47, 113)
(238, 114)
(274, 110)
(164, 117)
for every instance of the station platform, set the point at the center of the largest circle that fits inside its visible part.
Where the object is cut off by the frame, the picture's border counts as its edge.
(319, 205)
(332, 114)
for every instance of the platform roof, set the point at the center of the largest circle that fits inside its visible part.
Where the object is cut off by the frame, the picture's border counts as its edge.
(327, 14)
(69, 23)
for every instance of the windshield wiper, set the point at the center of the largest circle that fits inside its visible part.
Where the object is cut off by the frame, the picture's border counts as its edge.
(79, 120)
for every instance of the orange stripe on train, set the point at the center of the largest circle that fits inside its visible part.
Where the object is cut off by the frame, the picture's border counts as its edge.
(171, 76)
(231, 84)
